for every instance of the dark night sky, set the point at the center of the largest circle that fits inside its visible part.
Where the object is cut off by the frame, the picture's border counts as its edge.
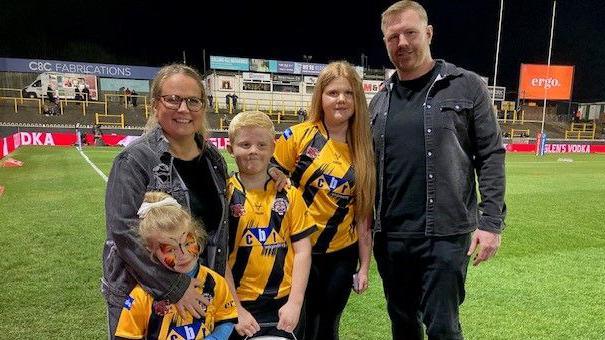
(147, 33)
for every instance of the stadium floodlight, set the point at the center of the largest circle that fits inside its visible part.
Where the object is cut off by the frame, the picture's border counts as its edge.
(497, 52)
(552, 30)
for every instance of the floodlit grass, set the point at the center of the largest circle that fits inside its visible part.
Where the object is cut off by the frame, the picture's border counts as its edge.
(547, 281)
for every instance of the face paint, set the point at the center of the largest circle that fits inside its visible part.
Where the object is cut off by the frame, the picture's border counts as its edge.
(169, 255)
(191, 244)
(176, 252)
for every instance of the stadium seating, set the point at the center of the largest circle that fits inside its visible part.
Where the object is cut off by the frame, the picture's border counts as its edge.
(29, 114)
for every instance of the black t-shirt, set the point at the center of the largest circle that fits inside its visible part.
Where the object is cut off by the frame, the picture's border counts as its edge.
(404, 194)
(203, 197)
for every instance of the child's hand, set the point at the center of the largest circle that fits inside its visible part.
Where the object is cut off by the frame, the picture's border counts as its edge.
(246, 323)
(281, 180)
(192, 302)
(288, 317)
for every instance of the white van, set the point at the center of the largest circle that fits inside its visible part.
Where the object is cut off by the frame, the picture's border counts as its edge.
(62, 84)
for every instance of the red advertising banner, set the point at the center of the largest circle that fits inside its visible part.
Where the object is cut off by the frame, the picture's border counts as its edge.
(8, 146)
(11, 143)
(542, 81)
(557, 148)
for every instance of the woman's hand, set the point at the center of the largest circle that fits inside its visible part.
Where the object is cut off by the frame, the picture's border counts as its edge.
(192, 302)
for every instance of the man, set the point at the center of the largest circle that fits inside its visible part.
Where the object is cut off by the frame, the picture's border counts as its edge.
(133, 97)
(435, 133)
(301, 114)
(234, 98)
(228, 102)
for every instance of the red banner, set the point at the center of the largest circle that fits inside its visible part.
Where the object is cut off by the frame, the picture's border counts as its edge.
(557, 148)
(8, 146)
(11, 143)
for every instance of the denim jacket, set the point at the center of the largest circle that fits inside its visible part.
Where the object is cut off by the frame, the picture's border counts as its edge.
(147, 165)
(463, 145)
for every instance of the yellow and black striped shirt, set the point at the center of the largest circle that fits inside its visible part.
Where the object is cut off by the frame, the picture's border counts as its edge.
(143, 317)
(321, 169)
(263, 224)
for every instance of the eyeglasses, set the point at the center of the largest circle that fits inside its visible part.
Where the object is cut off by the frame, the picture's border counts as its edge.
(173, 102)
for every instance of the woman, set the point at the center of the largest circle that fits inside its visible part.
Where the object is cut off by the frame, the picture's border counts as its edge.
(330, 160)
(174, 157)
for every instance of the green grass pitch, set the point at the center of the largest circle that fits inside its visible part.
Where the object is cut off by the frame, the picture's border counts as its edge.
(546, 282)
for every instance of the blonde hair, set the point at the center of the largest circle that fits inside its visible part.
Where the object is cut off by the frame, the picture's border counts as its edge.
(359, 136)
(156, 91)
(167, 219)
(250, 119)
(401, 6)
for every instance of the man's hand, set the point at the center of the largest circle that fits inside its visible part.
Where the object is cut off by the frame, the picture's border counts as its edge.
(488, 243)
(288, 317)
(246, 323)
(362, 281)
(192, 302)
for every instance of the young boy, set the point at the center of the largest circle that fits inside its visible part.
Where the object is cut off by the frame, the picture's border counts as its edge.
(175, 239)
(269, 245)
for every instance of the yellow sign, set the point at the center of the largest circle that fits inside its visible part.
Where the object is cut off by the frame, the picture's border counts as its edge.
(508, 106)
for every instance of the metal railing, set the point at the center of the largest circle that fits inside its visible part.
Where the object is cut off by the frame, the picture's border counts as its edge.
(19, 92)
(518, 116)
(113, 120)
(581, 131)
(126, 99)
(21, 99)
(519, 133)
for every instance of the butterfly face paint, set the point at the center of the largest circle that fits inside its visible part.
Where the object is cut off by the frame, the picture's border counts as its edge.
(178, 253)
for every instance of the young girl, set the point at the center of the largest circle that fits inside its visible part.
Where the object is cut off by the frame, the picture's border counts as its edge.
(331, 162)
(175, 240)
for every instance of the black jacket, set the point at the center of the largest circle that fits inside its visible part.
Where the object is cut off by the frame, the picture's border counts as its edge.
(463, 145)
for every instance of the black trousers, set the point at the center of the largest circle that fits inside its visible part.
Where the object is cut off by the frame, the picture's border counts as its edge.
(328, 290)
(266, 314)
(423, 280)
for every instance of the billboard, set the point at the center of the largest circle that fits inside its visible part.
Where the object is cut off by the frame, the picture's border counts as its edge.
(251, 76)
(99, 70)
(263, 65)
(229, 63)
(109, 84)
(311, 69)
(544, 82)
